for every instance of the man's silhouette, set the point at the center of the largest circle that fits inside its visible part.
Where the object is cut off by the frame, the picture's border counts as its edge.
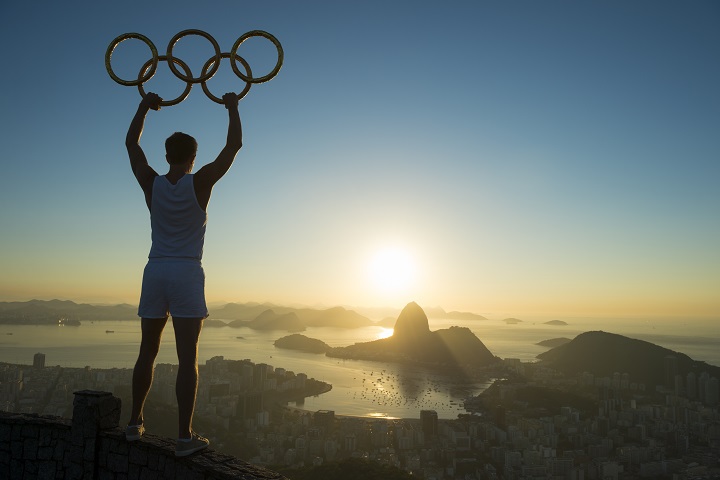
(173, 279)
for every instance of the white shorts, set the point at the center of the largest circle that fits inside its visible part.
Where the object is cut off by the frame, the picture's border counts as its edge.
(173, 286)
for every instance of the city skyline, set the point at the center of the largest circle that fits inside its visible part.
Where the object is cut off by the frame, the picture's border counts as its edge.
(536, 158)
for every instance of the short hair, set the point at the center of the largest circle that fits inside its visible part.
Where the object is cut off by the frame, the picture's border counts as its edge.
(179, 147)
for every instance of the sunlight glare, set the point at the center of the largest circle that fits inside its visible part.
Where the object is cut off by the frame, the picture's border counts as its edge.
(384, 333)
(392, 270)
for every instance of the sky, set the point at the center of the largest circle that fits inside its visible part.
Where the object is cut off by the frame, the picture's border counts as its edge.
(550, 158)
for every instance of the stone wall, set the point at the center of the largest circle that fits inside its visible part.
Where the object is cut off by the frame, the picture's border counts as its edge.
(92, 446)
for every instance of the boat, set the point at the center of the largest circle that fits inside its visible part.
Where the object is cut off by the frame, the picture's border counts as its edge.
(109, 331)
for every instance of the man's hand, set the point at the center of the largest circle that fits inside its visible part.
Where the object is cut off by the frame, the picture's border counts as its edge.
(151, 100)
(230, 100)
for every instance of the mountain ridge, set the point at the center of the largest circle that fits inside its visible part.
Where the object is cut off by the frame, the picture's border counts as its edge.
(602, 354)
(412, 341)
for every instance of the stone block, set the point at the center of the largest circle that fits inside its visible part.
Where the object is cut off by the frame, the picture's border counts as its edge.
(74, 471)
(147, 474)
(5, 431)
(138, 456)
(106, 475)
(58, 451)
(45, 437)
(76, 437)
(30, 431)
(152, 461)
(195, 475)
(110, 408)
(45, 453)
(103, 452)
(133, 471)
(117, 463)
(30, 448)
(16, 450)
(99, 409)
(31, 469)
(46, 470)
(169, 470)
(17, 469)
(121, 447)
(88, 451)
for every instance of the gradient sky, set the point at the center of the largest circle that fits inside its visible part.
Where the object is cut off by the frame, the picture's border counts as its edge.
(528, 157)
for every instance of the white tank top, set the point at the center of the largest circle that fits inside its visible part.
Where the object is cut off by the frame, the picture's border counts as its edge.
(178, 223)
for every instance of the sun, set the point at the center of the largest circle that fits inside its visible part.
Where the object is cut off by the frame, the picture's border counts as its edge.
(392, 270)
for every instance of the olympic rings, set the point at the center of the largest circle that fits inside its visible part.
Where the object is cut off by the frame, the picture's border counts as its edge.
(188, 85)
(211, 67)
(207, 90)
(204, 76)
(234, 56)
(141, 79)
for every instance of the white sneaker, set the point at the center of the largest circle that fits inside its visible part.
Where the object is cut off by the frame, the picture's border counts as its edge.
(134, 432)
(189, 446)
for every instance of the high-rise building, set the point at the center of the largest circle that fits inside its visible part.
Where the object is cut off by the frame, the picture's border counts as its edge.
(260, 374)
(324, 419)
(500, 414)
(39, 360)
(671, 369)
(350, 444)
(691, 386)
(712, 392)
(429, 420)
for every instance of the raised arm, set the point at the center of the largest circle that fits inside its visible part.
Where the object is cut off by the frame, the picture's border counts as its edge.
(144, 173)
(208, 175)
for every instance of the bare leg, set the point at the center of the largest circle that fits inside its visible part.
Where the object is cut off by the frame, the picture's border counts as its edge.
(152, 329)
(187, 334)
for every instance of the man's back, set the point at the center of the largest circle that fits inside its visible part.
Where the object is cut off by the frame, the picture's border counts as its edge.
(178, 223)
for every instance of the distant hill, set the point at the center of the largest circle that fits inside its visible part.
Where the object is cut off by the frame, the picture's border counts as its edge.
(240, 311)
(209, 322)
(271, 320)
(412, 341)
(603, 354)
(300, 342)
(512, 321)
(559, 323)
(554, 342)
(388, 322)
(41, 312)
(248, 314)
(438, 312)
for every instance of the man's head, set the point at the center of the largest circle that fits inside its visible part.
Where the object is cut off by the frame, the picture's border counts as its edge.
(180, 148)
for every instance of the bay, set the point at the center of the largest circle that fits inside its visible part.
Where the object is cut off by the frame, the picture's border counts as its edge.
(360, 388)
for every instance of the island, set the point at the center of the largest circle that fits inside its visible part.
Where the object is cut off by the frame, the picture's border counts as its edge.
(554, 342)
(558, 323)
(302, 343)
(512, 321)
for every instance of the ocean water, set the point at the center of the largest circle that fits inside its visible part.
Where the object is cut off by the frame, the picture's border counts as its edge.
(361, 388)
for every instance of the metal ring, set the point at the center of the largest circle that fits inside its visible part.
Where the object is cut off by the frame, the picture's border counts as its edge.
(234, 55)
(211, 66)
(240, 95)
(189, 78)
(188, 85)
(150, 72)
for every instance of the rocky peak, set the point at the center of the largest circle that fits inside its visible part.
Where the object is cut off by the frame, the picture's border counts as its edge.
(411, 322)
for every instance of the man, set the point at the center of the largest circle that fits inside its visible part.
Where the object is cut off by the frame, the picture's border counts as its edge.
(173, 279)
